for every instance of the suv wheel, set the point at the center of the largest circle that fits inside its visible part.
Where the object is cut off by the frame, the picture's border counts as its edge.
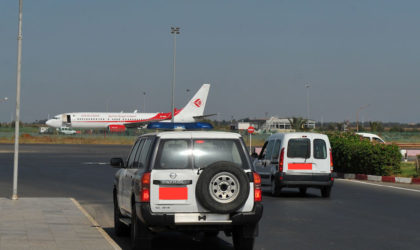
(222, 187)
(275, 190)
(326, 192)
(120, 228)
(141, 237)
(240, 242)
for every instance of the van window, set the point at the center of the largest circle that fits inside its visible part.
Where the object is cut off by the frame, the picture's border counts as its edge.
(299, 148)
(276, 150)
(320, 149)
(269, 150)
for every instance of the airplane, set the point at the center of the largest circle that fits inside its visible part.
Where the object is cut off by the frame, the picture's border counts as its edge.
(119, 122)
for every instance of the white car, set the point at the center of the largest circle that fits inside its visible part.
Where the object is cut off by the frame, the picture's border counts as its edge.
(297, 160)
(66, 131)
(371, 137)
(194, 182)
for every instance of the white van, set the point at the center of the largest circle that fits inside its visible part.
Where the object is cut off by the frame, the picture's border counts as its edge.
(298, 160)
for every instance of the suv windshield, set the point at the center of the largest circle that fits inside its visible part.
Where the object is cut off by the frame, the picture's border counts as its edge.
(179, 153)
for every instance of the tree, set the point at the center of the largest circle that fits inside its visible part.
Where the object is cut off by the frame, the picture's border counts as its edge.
(376, 126)
(297, 123)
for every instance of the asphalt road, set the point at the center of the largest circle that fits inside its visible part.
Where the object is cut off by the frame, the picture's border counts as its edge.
(358, 215)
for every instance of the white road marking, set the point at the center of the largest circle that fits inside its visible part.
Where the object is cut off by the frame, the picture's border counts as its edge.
(379, 185)
(95, 163)
(96, 224)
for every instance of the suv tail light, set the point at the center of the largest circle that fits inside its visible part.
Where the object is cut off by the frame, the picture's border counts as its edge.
(257, 187)
(145, 188)
(281, 161)
(331, 161)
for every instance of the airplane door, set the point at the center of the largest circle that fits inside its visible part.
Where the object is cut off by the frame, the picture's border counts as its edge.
(68, 119)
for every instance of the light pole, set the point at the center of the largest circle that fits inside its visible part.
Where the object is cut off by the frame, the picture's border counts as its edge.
(144, 101)
(307, 86)
(18, 76)
(357, 116)
(174, 31)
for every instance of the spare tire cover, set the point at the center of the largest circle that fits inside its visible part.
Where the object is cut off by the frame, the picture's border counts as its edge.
(222, 187)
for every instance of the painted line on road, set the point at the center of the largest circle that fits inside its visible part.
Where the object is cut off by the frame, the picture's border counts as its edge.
(95, 163)
(96, 224)
(379, 185)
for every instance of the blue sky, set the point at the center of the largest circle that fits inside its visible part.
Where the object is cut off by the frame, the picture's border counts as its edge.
(258, 55)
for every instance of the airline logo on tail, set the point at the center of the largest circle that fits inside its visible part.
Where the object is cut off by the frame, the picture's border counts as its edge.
(197, 103)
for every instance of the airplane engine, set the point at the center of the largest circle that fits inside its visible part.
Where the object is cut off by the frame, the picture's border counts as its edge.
(117, 128)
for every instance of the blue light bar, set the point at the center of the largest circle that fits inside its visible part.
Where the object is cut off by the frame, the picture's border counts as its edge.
(179, 125)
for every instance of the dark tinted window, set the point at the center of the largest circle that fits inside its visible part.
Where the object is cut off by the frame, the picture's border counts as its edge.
(269, 150)
(320, 149)
(209, 151)
(276, 150)
(173, 154)
(299, 148)
(144, 153)
(133, 153)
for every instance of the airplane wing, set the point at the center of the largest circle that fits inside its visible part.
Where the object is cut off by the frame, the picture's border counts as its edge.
(203, 116)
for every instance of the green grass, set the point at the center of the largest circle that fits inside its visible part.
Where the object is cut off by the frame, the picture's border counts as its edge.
(408, 169)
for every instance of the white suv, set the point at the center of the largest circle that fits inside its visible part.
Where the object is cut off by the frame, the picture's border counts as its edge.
(196, 182)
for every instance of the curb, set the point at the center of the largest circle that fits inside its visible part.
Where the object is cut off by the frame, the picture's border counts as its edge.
(379, 178)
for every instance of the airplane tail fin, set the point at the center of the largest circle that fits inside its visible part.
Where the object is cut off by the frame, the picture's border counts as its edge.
(195, 107)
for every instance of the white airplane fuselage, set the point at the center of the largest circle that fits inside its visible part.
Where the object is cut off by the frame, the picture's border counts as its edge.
(119, 121)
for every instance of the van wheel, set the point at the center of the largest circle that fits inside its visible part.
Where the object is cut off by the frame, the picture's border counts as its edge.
(120, 228)
(302, 191)
(275, 190)
(141, 237)
(326, 192)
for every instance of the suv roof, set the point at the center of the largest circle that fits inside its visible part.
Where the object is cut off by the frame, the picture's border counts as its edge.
(196, 134)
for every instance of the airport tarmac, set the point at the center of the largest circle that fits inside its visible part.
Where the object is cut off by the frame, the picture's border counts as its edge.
(357, 215)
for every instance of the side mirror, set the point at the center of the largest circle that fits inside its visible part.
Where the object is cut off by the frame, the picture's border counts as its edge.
(254, 155)
(117, 162)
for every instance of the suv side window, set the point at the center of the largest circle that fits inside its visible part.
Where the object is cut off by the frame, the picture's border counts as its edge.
(269, 150)
(132, 155)
(320, 149)
(144, 153)
(276, 150)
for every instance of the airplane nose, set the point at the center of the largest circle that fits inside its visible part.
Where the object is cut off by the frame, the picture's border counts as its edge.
(51, 123)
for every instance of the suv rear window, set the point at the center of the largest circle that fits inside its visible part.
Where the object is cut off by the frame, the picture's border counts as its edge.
(299, 148)
(209, 151)
(179, 153)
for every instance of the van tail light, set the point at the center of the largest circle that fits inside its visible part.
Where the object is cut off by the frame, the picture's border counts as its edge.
(331, 161)
(281, 161)
(257, 188)
(145, 188)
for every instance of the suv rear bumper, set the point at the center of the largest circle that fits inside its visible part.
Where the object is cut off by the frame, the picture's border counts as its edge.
(150, 219)
(303, 180)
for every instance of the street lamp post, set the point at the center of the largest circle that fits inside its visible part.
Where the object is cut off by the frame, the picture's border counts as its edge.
(18, 77)
(307, 86)
(174, 31)
(144, 101)
(357, 116)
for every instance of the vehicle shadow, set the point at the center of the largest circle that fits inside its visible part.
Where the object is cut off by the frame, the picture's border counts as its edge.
(293, 193)
(175, 240)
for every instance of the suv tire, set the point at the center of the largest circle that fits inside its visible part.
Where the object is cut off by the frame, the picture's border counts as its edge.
(240, 242)
(226, 181)
(326, 191)
(141, 237)
(120, 228)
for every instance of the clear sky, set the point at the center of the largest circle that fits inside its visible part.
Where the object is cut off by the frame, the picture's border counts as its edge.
(85, 55)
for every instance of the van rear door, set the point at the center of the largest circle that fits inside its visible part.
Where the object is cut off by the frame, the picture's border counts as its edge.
(298, 160)
(321, 162)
